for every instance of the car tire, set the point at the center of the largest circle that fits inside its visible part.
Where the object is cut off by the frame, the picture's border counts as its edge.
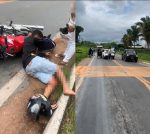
(136, 60)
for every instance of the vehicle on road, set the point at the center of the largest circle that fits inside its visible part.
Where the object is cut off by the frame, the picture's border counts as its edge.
(105, 53)
(99, 51)
(112, 54)
(90, 52)
(129, 55)
(12, 38)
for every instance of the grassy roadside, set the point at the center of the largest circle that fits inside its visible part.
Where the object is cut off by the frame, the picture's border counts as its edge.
(82, 51)
(143, 54)
(68, 125)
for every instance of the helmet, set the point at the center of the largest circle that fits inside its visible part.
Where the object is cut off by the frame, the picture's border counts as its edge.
(46, 44)
(39, 105)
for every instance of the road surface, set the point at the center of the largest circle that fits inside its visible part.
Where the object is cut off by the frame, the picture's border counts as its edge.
(114, 98)
(51, 14)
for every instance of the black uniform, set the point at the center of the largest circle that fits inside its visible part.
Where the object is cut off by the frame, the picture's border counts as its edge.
(28, 48)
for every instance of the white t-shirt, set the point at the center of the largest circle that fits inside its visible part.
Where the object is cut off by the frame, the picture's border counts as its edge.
(70, 37)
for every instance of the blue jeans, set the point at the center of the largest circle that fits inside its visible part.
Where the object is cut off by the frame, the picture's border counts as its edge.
(42, 69)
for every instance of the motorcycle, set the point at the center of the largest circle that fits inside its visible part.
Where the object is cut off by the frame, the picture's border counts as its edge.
(12, 38)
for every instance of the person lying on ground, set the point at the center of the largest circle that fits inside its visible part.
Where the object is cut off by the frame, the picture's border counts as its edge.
(42, 68)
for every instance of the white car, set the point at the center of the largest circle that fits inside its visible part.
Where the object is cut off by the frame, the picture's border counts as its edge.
(105, 53)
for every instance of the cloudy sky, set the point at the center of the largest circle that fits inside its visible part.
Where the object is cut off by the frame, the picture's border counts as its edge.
(105, 21)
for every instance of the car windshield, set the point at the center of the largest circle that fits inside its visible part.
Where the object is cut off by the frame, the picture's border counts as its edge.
(130, 51)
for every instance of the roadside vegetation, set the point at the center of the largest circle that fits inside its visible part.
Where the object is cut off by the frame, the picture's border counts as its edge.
(68, 125)
(139, 31)
(82, 49)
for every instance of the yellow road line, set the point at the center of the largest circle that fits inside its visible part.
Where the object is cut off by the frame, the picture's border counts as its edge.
(115, 71)
(140, 78)
(100, 71)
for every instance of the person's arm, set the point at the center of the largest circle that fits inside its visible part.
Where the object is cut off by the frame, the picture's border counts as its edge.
(65, 36)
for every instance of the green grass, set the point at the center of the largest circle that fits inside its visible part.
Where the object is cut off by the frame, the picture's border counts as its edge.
(68, 125)
(143, 54)
(82, 51)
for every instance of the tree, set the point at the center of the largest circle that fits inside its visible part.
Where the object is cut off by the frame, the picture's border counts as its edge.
(125, 40)
(144, 28)
(79, 29)
(135, 34)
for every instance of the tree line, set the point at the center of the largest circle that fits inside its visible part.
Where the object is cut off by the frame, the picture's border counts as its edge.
(140, 30)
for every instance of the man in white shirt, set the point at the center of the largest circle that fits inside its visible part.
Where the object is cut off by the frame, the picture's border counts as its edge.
(70, 37)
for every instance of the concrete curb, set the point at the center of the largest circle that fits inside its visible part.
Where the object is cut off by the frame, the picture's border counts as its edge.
(11, 86)
(55, 121)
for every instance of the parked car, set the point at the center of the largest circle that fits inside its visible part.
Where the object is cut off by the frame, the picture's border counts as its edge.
(129, 55)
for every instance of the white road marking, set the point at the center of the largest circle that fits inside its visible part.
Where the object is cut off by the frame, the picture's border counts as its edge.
(9, 88)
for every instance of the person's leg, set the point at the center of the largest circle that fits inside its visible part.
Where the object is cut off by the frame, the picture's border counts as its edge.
(44, 70)
(52, 82)
(69, 53)
(51, 86)
(62, 78)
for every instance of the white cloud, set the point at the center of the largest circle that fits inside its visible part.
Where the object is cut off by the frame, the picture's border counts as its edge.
(108, 20)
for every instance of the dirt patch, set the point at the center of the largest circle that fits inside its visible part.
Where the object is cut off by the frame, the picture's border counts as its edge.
(14, 119)
(83, 62)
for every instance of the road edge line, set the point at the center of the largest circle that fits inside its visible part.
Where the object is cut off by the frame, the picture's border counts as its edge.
(55, 121)
(81, 79)
(11, 86)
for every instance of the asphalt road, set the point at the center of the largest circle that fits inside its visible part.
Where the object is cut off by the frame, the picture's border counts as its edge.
(51, 14)
(114, 98)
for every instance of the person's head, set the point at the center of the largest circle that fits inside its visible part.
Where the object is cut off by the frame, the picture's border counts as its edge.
(37, 34)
